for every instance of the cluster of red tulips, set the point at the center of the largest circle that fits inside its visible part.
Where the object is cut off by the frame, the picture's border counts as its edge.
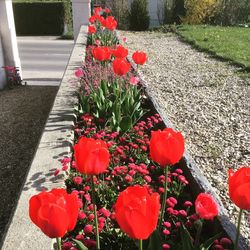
(139, 209)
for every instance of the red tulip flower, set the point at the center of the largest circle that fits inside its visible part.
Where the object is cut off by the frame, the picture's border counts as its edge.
(139, 57)
(101, 53)
(136, 212)
(239, 187)
(206, 207)
(110, 23)
(107, 10)
(120, 52)
(166, 146)
(92, 156)
(54, 212)
(97, 10)
(121, 66)
(91, 29)
(92, 19)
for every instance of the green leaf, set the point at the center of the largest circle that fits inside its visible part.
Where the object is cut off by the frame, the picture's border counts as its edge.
(209, 242)
(80, 245)
(155, 241)
(126, 123)
(186, 239)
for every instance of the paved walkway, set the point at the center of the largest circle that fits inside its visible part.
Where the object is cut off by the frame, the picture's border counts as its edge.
(44, 59)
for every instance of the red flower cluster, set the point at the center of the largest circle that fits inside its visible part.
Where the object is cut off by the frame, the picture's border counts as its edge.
(54, 212)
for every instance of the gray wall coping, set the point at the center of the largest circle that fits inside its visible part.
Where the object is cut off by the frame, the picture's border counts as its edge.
(55, 143)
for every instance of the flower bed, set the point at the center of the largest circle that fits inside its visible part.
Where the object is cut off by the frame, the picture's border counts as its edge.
(124, 178)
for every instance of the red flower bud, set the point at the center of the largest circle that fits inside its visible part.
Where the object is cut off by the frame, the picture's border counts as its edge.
(205, 206)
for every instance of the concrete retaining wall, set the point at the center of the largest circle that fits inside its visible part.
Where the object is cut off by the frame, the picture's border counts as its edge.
(55, 143)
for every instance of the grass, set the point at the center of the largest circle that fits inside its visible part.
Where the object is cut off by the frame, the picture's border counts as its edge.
(230, 43)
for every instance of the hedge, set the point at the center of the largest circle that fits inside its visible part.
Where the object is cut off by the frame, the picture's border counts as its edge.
(42, 18)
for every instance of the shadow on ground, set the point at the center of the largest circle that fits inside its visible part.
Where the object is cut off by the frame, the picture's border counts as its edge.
(23, 113)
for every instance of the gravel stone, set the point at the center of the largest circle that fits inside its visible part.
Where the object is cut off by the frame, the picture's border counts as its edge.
(206, 100)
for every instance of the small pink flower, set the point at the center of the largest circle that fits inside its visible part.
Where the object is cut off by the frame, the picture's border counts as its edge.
(105, 212)
(57, 171)
(98, 42)
(91, 217)
(124, 39)
(81, 215)
(88, 229)
(166, 246)
(87, 197)
(128, 178)
(183, 213)
(77, 180)
(79, 237)
(79, 73)
(177, 224)
(147, 178)
(134, 80)
(167, 224)
(188, 204)
(65, 168)
(166, 232)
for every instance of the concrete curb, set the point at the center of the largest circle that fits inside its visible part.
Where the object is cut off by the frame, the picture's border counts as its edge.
(55, 143)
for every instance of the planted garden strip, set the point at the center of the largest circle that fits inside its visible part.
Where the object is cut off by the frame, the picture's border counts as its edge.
(56, 143)
(124, 187)
(204, 98)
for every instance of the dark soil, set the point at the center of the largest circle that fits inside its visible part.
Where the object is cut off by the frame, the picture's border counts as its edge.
(23, 113)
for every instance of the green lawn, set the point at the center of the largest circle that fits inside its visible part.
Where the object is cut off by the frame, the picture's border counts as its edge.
(232, 43)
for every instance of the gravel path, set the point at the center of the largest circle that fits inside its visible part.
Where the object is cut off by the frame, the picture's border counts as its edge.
(206, 100)
(23, 113)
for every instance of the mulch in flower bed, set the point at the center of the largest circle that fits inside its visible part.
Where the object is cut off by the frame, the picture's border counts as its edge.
(23, 113)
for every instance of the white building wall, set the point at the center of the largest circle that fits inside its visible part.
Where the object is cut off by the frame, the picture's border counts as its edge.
(81, 13)
(2, 73)
(8, 35)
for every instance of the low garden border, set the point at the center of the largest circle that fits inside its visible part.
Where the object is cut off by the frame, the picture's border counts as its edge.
(55, 143)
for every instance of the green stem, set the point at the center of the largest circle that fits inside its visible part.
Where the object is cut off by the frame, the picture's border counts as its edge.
(163, 207)
(59, 243)
(95, 214)
(238, 231)
(140, 245)
(199, 225)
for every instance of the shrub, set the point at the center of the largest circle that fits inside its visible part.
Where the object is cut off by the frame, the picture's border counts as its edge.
(139, 17)
(200, 11)
(120, 11)
(44, 17)
(233, 12)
